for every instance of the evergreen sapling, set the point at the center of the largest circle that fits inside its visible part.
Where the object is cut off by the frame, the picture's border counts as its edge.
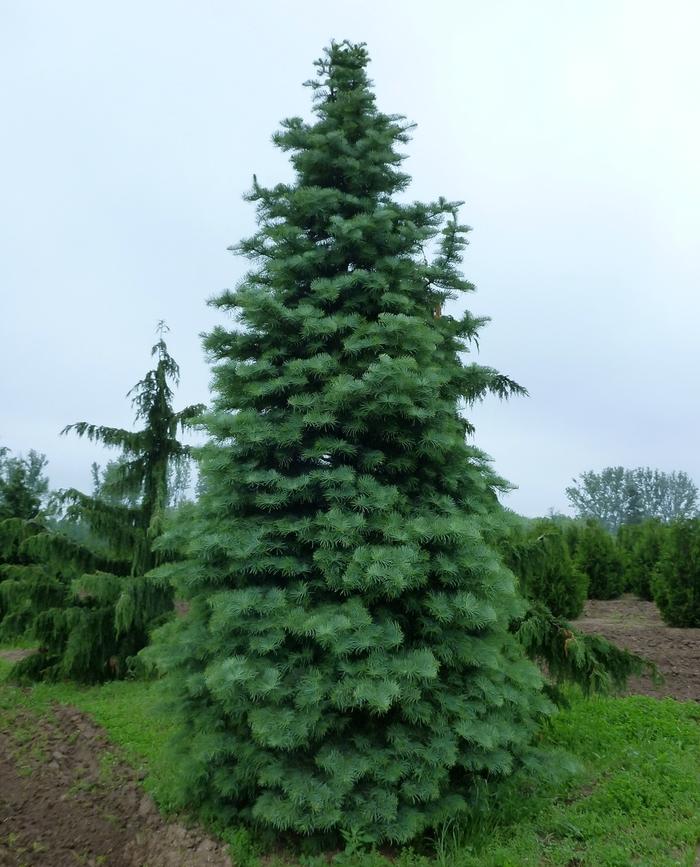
(675, 582)
(641, 545)
(538, 553)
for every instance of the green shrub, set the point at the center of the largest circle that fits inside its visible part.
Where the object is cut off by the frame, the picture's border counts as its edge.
(599, 559)
(640, 546)
(538, 554)
(676, 581)
(572, 533)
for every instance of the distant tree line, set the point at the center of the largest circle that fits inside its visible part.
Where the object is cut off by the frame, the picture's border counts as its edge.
(24, 485)
(617, 496)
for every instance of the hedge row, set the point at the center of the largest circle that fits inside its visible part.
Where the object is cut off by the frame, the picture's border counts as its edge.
(561, 562)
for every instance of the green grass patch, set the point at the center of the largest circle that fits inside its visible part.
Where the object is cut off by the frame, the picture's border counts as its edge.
(635, 802)
(18, 643)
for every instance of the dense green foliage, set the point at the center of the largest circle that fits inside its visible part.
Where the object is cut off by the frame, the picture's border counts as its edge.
(44, 597)
(640, 545)
(598, 557)
(617, 496)
(19, 575)
(538, 553)
(676, 582)
(23, 485)
(590, 661)
(87, 598)
(345, 668)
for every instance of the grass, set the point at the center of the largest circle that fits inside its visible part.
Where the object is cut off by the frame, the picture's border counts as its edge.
(636, 800)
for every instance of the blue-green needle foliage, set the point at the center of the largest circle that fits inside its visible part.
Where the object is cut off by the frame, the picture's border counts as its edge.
(345, 668)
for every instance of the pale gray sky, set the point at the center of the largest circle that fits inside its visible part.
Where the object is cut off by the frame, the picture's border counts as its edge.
(570, 129)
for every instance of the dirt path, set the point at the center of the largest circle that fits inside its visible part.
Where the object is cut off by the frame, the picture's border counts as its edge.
(14, 655)
(67, 799)
(637, 626)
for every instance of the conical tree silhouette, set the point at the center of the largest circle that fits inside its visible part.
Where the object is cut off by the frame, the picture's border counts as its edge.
(345, 667)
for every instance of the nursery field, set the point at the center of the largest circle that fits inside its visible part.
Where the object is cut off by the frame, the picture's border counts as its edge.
(637, 626)
(83, 769)
(75, 792)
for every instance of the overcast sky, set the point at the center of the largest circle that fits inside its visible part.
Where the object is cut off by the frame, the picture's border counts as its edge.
(570, 130)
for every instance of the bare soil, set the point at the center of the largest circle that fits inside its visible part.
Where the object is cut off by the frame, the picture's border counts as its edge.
(66, 798)
(637, 626)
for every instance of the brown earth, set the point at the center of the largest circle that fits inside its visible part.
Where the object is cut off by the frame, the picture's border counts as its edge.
(637, 626)
(66, 798)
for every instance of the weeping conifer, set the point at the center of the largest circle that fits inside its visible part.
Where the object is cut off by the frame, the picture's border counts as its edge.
(134, 496)
(18, 571)
(590, 661)
(103, 602)
(537, 552)
(345, 667)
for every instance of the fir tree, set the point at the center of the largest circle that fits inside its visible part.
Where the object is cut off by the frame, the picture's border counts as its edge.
(345, 667)
(87, 596)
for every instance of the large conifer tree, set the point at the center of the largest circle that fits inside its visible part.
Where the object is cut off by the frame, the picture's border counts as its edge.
(345, 666)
